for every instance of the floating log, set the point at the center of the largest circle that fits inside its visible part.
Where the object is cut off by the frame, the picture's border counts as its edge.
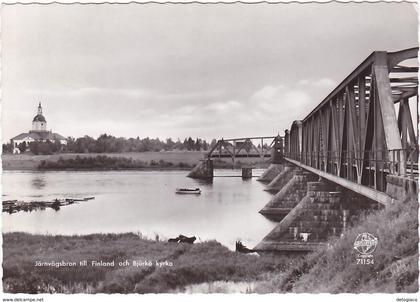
(14, 206)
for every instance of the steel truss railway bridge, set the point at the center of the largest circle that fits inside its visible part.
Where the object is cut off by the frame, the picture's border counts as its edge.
(362, 136)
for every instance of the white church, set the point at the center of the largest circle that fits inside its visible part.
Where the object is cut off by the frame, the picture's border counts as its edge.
(39, 133)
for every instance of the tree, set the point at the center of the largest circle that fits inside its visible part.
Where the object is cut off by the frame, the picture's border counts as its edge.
(178, 145)
(56, 146)
(190, 144)
(86, 144)
(7, 148)
(197, 145)
(103, 143)
(213, 143)
(205, 145)
(71, 145)
(147, 145)
(46, 147)
(106, 143)
(42, 147)
(34, 147)
(22, 147)
(169, 144)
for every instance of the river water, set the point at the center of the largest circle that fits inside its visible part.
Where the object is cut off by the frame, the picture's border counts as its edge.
(141, 201)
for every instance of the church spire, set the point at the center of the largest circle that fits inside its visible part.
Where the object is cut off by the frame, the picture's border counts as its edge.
(39, 108)
(39, 123)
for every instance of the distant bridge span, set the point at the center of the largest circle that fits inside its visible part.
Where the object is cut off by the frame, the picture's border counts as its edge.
(258, 147)
(361, 135)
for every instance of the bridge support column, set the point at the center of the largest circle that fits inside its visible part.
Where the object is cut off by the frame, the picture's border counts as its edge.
(203, 170)
(277, 152)
(402, 188)
(324, 211)
(289, 195)
(246, 173)
(272, 171)
(281, 179)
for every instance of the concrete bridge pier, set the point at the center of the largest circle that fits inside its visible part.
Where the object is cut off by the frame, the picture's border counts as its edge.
(271, 172)
(324, 210)
(281, 179)
(203, 170)
(277, 152)
(402, 188)
(290, 194)
(246, 173)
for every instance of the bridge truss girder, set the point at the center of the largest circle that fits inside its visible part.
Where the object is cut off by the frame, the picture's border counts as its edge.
(355, 133)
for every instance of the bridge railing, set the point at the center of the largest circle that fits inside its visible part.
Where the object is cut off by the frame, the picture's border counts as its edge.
(377, 164)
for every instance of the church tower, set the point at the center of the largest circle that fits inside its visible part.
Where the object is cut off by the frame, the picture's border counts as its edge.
(39, 123)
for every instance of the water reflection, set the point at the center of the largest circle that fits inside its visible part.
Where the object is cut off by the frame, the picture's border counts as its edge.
(38, 181)
(141, 201)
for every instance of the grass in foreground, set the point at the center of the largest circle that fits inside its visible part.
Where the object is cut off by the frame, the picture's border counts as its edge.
(192, 264)
(334, 269)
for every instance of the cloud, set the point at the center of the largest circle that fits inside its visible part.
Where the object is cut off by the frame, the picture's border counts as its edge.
(325, 82)
(317, 83)
(92, 91)
(173, 71)
(268, 92)
(279, 99)
(223, 107)
(266, 111)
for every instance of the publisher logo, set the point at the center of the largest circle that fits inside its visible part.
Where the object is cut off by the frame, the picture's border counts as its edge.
(365, 243)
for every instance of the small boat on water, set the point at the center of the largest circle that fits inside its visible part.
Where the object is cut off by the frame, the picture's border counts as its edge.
(188, 191)
(81, 199)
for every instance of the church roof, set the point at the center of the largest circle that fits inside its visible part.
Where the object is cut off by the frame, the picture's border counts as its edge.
(40, 135)
(39, 118)
(21, 136)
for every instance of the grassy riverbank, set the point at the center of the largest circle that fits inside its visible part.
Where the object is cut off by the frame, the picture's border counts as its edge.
(103, 162)
(207, 265)
(335, 269)
(26, 162)
(197, 263)
(128, 160)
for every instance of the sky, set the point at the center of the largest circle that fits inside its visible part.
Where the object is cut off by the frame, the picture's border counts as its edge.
(174, 70)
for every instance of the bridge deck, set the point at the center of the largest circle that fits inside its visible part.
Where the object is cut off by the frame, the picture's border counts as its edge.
(361, 189)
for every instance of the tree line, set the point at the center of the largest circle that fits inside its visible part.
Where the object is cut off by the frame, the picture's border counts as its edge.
(110, 144)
